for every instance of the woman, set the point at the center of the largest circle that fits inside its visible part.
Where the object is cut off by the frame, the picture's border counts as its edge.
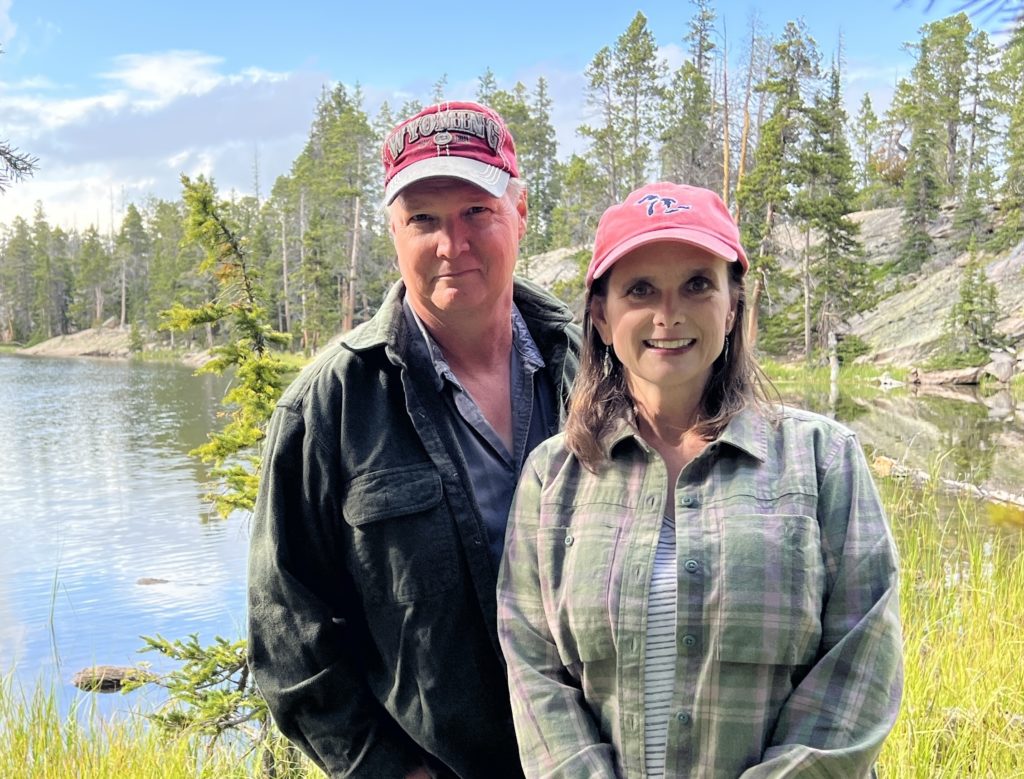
(693, 585)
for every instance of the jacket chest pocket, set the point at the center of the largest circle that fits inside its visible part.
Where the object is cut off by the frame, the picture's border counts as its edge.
(403, 537)
(773, 581)
(579, 589)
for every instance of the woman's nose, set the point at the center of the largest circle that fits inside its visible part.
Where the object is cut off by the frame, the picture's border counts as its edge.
(669, 311)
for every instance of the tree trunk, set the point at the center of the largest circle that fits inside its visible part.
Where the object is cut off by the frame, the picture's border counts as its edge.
(725, 123)
(302, 267)
(807, 294)
(353, 266)
(287, 325)
(124, 294)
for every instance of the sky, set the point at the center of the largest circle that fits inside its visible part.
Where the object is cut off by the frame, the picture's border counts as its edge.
(117, 99)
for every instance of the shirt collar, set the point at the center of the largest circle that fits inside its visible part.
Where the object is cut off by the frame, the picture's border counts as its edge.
(747, 431)
(522, 341)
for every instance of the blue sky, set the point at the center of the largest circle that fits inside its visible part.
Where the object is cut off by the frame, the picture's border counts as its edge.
(118, 98)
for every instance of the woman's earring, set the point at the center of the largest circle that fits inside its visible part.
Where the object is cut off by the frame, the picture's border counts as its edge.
(726, 351)
(607, 365)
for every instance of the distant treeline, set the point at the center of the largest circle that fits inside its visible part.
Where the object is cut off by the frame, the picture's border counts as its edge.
(767, 130)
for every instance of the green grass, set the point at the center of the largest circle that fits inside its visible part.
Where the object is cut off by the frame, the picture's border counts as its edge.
(801, 372)
(962, 600)
(39, 743)
(963, 708)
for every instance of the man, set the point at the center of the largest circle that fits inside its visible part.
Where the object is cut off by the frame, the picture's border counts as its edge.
(389, 471)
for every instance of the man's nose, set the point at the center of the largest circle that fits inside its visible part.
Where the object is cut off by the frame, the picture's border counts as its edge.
(452, 239)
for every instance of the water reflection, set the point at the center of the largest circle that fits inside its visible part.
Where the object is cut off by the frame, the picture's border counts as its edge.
(98, 492)
(955, 433)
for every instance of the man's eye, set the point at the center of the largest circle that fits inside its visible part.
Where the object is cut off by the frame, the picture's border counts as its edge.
(477, 209)
(420, 218)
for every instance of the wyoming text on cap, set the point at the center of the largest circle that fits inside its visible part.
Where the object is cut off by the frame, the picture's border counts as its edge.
(460, 140)
(666, 212)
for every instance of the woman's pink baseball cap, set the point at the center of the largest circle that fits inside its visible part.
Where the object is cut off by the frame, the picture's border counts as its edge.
(666, 212)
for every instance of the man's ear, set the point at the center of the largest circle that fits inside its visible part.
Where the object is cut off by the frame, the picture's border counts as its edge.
(522, 208)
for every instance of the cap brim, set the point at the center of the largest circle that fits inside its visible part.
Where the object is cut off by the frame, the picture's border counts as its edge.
(492, 180)
(689, 236)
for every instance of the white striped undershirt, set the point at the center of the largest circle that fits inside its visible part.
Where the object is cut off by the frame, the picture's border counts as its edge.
(660, 652)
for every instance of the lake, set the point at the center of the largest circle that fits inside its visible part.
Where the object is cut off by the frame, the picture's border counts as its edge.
(99, 493)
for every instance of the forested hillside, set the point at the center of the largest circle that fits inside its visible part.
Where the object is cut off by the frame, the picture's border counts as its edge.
(771, 135)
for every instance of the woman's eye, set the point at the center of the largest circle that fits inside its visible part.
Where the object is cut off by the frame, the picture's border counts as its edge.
(699, 284)
(639, 290)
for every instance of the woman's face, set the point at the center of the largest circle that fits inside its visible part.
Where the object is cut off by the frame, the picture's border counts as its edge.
(667, 310)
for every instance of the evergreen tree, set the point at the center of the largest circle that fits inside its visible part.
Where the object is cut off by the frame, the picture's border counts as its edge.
(688, 151)
(624, 87)
(94, 273)
(17, 284)
(972, 219)
(171, 263)
(1011, 205)
(947, 42)
(764, 193)
(923, 184)
(866, 133)
(835, 278)
(574, 219)
(969, 330)
(487, 85)
(51, 276)
(237, 305)
(132, 257)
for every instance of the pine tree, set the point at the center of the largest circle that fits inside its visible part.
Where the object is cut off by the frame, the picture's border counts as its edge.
(865, 133)
(624, 87)
(836, 279)
(132, 256)
(972, 219)
(1011, 204)
(688, 151)
(95, 278)
(923, 184)
(969, 330)
(574, 219)
(764, 194)
(258, 373)
(16, 284)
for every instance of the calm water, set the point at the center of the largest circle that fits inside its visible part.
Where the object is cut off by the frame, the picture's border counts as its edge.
(98, 492)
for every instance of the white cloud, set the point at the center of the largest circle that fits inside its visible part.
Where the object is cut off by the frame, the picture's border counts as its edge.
(165, 114)
(167, 75)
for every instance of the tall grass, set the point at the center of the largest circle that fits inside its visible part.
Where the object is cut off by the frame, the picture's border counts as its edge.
(38, 742)
(963, 620)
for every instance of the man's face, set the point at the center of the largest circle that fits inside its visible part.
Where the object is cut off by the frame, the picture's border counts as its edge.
(457, 247)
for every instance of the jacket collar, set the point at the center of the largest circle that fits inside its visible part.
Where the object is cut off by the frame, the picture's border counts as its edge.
(747, 432)
(387, 326)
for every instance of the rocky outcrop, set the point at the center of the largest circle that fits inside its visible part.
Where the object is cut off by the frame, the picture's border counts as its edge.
(94, 342)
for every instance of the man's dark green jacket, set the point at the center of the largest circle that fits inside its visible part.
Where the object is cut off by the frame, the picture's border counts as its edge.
(372, 629)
